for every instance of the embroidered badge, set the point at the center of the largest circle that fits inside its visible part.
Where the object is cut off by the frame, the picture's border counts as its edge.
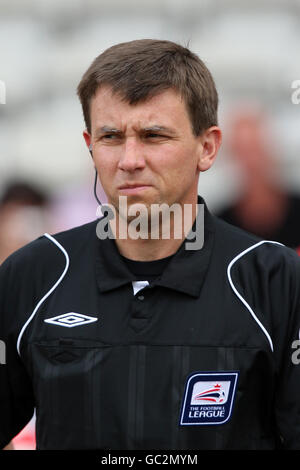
(208, 398)
(71, 319)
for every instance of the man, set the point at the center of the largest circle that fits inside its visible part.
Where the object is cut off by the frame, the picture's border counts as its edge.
(127, 342)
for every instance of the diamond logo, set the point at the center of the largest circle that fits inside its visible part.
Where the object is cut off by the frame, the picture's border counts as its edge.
(71, 319)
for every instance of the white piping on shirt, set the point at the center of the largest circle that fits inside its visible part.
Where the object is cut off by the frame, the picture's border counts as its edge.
(239, 295)
(52, 239)
(49, 291)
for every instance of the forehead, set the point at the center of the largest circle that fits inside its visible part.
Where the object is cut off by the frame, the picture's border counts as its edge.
(165, 109)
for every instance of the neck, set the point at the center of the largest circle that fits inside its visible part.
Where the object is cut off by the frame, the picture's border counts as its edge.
(156, 236)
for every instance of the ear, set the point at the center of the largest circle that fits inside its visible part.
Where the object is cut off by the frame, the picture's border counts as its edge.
(87, 137)
(211, 140)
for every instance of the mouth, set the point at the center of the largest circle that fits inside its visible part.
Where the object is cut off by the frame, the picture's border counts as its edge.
(133, 188)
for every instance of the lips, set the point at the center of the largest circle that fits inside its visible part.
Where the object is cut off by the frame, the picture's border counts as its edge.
(133, 188)
(133, 185)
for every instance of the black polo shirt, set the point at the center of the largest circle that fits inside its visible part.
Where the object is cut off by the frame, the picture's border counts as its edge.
(199, 358)
(146, 270)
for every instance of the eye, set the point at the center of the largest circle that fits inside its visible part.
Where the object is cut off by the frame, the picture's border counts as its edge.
(153, 135)
(110, 136)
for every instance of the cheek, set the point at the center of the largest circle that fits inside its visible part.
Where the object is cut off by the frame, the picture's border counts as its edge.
(105, 163)
(105, 175)
(178, 165)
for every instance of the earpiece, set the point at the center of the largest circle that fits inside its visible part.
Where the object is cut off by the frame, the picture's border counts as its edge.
(95, 180)
(95, 188)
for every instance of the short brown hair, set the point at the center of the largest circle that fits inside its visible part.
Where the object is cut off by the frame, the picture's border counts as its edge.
(140, 69)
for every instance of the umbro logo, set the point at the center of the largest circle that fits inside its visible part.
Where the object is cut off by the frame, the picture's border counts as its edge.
(71, 319)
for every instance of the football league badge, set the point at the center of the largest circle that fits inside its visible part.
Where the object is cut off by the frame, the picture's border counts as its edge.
(208, 398)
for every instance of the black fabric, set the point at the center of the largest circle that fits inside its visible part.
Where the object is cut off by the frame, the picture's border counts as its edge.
(146, 270)
(118, 380)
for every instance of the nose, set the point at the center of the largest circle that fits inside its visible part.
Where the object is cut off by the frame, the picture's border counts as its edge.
(132, 157)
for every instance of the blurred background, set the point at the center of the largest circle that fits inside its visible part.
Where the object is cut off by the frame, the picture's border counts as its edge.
(46, 174)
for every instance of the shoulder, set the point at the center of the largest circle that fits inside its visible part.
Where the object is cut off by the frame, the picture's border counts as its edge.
(240, 247)
(47, 250)
(263, 274)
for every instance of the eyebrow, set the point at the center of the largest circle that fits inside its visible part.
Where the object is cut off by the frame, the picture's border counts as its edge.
(106, 129)
(113, 130)
(158, 129)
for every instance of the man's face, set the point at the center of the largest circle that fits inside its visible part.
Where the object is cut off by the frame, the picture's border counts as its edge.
(146, 151)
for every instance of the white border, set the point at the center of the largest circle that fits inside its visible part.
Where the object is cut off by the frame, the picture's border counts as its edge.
(239, 295)
(49, 291)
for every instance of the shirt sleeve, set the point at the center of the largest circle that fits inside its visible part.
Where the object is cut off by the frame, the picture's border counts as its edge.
(16, 394)
(286, 301)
